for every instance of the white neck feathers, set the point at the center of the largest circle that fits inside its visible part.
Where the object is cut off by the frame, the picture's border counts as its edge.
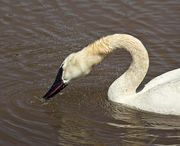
(127, 83)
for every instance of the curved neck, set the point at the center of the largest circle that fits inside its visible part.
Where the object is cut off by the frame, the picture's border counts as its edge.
(127, 83)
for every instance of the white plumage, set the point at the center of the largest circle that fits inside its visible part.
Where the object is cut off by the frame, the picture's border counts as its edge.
(160, 95)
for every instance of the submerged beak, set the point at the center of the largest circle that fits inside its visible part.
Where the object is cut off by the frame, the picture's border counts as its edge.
(57, 86)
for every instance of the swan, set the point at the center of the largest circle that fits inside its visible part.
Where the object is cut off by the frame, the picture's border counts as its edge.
(161, 95)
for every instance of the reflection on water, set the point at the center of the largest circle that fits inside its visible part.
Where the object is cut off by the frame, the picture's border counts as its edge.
(35, 38)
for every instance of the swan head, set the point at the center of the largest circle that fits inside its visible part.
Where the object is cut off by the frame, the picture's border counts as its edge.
(73, 66)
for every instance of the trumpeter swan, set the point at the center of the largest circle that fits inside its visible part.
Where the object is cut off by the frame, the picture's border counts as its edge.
(160, 95)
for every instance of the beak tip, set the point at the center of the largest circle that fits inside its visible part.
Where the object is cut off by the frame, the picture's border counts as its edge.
(45, 98)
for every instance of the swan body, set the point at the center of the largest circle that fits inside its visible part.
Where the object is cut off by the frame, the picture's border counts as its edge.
(160, 95)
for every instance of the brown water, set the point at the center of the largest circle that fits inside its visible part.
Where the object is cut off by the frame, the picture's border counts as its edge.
(35, 37)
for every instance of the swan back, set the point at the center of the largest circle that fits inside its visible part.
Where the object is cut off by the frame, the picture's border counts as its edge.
(162, 79)
(162, 98)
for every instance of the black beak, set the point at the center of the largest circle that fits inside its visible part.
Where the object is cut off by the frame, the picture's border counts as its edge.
(57, 86)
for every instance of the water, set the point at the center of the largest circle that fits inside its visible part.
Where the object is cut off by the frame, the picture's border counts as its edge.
(36, 36)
